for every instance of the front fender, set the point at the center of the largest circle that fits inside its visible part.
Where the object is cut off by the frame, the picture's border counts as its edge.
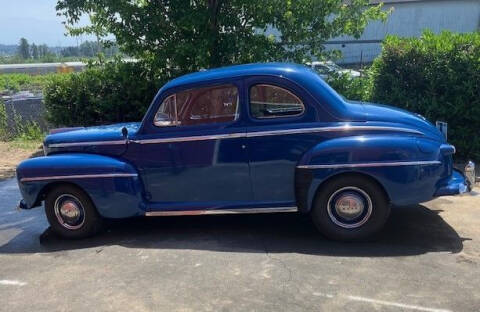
(113, 184)
(408, 168)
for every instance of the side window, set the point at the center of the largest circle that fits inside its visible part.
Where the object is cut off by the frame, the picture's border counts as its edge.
(267, 101)
(199, 106)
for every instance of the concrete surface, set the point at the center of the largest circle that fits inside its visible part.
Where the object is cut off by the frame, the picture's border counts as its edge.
(427, 259)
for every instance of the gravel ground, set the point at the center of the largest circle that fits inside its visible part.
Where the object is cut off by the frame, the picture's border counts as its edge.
(426, 259)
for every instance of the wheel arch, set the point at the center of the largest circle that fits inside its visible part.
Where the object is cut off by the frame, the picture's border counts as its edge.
(42, 194)
(305, 204)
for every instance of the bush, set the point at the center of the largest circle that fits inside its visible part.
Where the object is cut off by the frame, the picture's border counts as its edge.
(104, 93)
(437, 76)
(356, 89)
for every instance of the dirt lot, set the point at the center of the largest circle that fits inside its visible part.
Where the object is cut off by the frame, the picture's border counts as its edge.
(11, 153)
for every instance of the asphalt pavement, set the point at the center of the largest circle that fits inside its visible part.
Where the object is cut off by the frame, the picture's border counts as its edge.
(426, 259)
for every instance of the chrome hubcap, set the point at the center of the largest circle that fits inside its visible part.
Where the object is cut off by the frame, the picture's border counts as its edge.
(349, 207)
(69, 212)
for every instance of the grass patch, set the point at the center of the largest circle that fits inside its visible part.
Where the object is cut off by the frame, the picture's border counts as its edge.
(11, 83)
(25, 144)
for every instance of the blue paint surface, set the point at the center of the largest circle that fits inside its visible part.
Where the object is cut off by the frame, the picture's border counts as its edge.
(248, 170)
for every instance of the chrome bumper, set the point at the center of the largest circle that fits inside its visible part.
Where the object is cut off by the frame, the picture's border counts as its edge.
(459, 182)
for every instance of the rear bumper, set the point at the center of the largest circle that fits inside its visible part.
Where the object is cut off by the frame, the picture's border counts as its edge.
(458, 183)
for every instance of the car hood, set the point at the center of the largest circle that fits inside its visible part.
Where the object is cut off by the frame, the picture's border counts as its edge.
(89, 139)
(382, 113)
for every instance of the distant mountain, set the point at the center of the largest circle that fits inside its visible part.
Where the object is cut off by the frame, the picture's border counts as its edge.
(8, 49)
(11, 49)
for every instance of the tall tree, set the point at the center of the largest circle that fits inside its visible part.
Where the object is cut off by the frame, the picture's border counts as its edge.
(188, 35)
(34, 49)
(43, 50)
(24, 49)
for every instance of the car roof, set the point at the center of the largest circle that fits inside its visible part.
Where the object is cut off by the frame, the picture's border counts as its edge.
(288, 70)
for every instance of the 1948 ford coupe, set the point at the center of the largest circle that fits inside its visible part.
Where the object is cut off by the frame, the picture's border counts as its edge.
(254, 138)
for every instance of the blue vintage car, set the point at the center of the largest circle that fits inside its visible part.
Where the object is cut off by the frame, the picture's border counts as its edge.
(257, 138)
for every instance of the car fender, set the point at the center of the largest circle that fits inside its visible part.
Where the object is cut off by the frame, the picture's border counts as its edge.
(113, 185)
(401, 165)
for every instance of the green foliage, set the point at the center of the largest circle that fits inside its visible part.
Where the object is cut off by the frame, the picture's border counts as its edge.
(357, 89)
(104, 93)
(28, 131)
(10, 83)
(184, 36)
(35, 53)
(22, 130)
(90, 49)
(4, 133)
(24, 49)
(437, 76)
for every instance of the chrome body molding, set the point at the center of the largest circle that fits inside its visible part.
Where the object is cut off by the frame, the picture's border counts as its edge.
(331, 129)
(373, 164)
(275, 132)
(116, 142)
(193, 138)
(80, 176)
(220, 211)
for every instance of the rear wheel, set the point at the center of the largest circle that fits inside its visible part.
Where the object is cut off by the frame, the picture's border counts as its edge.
(71, 213)
(350, 208)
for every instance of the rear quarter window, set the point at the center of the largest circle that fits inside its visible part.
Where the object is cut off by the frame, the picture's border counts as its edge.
(268, 101)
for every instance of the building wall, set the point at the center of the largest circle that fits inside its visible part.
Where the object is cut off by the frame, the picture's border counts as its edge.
(408, 19)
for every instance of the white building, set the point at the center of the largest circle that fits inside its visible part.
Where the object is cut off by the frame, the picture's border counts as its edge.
(408, 19)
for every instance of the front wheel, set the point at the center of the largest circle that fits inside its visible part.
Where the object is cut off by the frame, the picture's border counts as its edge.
(350, 208)
(71, 213)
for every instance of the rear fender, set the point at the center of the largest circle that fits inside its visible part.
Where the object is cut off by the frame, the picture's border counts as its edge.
(400, 182)
(113, 184)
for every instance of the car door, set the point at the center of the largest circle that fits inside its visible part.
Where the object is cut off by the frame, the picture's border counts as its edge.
(278, 110)
(196, 158)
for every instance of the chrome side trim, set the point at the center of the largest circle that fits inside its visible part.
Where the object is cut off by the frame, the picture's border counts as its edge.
(330, 129)
(220, 211)
(373, 164)
(193, 138)
(275, 132)
(116, 142)
(80, 176)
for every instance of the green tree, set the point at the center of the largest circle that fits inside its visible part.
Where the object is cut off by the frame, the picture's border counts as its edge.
(43, 51)
(34, 51)
(24, 49)
(188, 35)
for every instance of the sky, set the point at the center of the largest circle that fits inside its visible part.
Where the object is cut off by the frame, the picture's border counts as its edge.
(35, 20)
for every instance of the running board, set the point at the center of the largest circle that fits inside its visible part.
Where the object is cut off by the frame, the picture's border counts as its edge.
(220, 211)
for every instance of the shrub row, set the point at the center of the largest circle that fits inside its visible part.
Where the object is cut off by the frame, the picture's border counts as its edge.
(103, 93)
